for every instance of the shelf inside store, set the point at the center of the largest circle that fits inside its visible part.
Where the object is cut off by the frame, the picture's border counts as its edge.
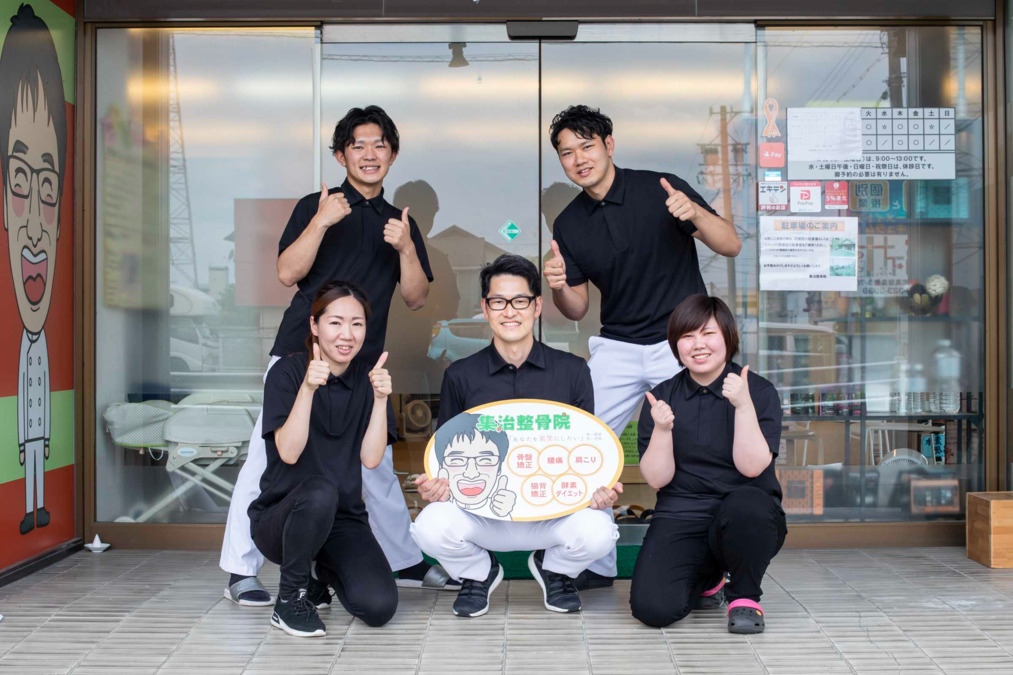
(931, 318)
(883, 417)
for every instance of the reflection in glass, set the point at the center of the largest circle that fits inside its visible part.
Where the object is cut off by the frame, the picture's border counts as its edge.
(885, 382)
(203, 144)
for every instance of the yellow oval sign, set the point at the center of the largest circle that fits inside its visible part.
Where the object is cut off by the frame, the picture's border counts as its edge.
(524, 459)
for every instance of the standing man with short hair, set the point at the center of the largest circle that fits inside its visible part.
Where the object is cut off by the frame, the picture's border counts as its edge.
(632, 234)
(353, 234)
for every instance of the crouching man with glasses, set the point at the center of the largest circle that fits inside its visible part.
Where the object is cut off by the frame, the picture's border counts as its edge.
(452, 528)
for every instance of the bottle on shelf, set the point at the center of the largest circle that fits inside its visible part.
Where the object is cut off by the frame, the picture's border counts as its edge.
(918, 386)
(899, 398)
(945, 396)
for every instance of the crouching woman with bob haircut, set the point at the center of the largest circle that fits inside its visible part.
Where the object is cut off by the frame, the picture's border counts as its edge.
(707, 443)
(325, 416)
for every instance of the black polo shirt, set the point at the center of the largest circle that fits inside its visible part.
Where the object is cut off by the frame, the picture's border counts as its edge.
(353, 250)
(485, 377)
(641, 258)
(338, 421)
(702, 439)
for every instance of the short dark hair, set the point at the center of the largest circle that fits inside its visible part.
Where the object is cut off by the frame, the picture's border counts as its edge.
(328, 293)
(356, 117)
(464, 427)
(28, 57)
(582, 120)
(693, 313)
(514, 265)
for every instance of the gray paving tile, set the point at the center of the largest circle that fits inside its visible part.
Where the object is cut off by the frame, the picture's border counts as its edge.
(853, 611)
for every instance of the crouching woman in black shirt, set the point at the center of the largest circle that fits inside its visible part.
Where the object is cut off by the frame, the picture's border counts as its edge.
(322, 419)
(707, 443)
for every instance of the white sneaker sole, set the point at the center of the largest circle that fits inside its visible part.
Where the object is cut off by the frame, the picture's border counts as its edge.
(249, 603)
(492, 587)
(278, 623)
(541, 582)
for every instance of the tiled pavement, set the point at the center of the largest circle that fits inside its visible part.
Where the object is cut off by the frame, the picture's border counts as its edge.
(928, 610)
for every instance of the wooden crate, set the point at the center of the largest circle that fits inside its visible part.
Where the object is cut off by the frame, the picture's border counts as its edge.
(990, 528)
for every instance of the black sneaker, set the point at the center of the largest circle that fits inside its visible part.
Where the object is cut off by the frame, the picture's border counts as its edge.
(297, 616)
(588, 580)
(558, 592)
(41, 517)
(473, 598)
(318, 594)
(28, 524)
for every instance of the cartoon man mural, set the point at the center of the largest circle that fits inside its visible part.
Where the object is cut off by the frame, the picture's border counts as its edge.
(471, 461)
(33, 140)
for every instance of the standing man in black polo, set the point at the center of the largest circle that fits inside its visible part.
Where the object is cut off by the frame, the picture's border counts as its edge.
(349, 233)
(515, 365)
(632, 234)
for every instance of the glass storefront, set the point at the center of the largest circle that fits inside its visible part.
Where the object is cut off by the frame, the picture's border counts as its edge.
(206, 139)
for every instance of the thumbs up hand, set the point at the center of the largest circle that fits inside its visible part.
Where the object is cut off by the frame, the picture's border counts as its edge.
(397, 233)
(661, 413)
(736, 388)
(679, 205)
(317, 371)
(503, 500)
(555, 269)
(379, 377)
(331, 208)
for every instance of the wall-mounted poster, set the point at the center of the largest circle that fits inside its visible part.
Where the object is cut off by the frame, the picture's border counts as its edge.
(808, 254)
(524, 459)
(891, 143)
(36, 298)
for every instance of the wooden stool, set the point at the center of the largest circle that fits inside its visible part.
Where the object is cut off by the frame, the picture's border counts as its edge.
(990, 528)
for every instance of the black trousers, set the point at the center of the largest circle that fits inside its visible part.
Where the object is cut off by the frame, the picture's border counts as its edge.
(306, 525)
(680, 559)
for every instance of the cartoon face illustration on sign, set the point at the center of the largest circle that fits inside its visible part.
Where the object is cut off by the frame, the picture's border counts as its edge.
(33, 149)
(471, 460)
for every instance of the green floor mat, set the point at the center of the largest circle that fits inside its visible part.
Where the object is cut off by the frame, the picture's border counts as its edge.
(515, 563)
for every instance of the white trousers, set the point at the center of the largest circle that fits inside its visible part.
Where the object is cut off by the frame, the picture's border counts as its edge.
(388, 513)
(460, 540)
(622, 373)
(35, 474)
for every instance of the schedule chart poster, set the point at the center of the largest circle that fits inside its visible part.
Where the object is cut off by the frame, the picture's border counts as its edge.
(808, 254)
(887, 143)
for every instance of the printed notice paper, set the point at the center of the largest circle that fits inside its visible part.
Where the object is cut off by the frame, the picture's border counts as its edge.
(808, 254)
(824, 134)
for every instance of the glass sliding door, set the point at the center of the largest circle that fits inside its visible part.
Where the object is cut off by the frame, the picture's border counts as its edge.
(199, 167)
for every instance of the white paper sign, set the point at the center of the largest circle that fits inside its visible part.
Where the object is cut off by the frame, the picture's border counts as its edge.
(524, 459)
(799, 253)
(773, 195)
(896, 143)
(824, 133)
(805, 196)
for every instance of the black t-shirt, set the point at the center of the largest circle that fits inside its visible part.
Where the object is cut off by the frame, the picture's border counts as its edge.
(485, 377)
(702, 440)
(641, 258)
(352, 250)
(338, 421)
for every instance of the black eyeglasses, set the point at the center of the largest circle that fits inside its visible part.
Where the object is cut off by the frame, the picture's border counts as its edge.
(20, 173)
(517, 302)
